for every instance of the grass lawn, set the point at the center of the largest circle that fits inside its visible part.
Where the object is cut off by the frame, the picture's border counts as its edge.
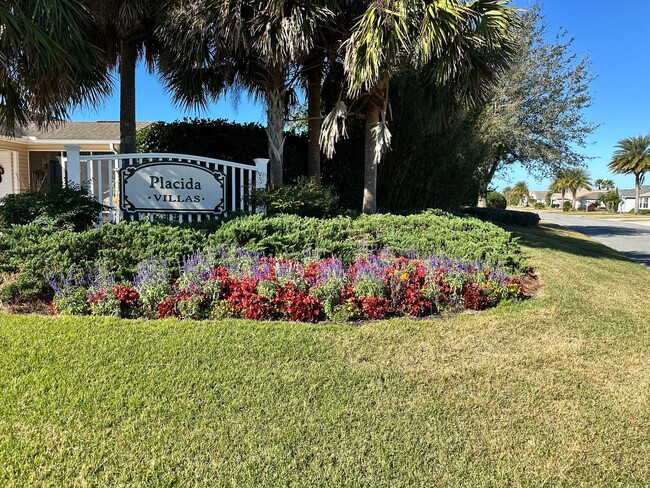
(552, 391)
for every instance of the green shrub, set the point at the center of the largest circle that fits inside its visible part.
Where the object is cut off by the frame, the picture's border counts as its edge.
(566, 206)
(506, 217)
(496, 200)
(29, 252)
(69, 207)
(430, 232)
(539, 205)
(305, 198)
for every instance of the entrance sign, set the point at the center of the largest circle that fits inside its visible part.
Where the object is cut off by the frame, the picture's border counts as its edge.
(171, 187)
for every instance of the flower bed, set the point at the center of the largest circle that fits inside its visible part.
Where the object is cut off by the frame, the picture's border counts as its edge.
(223, 284)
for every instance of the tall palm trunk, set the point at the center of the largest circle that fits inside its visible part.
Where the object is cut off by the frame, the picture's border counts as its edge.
(370, 166)
(275, 109)
(314, 123)
(128, 60)
(637, 192)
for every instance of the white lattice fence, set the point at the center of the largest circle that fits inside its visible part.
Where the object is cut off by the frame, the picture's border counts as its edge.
(101, 175)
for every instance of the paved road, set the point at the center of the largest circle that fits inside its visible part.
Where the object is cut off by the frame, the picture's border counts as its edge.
(631, 240)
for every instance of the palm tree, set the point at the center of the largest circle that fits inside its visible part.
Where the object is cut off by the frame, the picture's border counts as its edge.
(46, 64)
(576, 178)
(560, 185)
(123, 29)
(632, 156)
(520, 191)
(601, 184)
(241, 45)
(455, 43)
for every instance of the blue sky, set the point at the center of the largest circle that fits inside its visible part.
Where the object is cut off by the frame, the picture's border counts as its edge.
(613, 35)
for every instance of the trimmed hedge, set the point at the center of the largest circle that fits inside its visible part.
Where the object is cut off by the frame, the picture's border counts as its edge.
(430, 232)
(505, 217)
(28, 253)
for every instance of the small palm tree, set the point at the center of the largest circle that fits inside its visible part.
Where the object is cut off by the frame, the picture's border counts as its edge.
(520, 191)
(576, 178)
(559, 185)
(632, 156)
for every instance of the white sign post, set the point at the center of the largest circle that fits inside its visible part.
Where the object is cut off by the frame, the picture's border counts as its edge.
(165, 187)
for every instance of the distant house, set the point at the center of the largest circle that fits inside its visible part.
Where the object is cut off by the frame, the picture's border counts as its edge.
(584, 198)
(628, 197)
(34, 158)
(537, 196)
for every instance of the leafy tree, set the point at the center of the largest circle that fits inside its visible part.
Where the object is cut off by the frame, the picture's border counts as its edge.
(46, 65)
(535, 114)
(632, 156)
(460, 45)
(520, 192)
(576, 178)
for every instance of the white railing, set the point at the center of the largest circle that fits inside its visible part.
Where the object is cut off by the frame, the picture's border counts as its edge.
(100, 174)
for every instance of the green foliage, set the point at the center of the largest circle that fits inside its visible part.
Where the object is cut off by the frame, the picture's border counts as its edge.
(611, 200)
(429, 165)
(68, 207)
(566, 206)
(536, 114)
(539, 205)
(430, 232)
(221, 139)
(496, 200)
(506, 217)
(305, 198)
(548, 198)
(29, 252)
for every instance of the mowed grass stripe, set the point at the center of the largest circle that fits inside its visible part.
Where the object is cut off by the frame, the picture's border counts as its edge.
(551, 391)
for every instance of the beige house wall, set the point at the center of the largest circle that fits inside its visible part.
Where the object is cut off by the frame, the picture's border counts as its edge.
(24, 147)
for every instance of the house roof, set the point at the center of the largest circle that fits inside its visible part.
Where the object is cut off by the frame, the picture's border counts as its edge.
(591, 195)
(103, 130)
(645, 191)
(539, 194)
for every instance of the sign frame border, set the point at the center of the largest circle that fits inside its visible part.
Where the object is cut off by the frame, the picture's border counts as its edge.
(127, 172)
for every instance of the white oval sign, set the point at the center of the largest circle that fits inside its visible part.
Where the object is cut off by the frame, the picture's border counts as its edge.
(171, 187)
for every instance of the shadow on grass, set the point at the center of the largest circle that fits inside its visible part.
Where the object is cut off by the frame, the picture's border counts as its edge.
(556, 237)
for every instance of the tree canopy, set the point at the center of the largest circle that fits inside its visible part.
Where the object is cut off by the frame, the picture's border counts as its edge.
(46, 67)
(536, 115)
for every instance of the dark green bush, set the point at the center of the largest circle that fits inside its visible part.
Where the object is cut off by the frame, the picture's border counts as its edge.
(305, 198)
(69, 207)
(29, 252)
(566, 206)
(539, 205)
(496, 200)
(505, 217)
(430, 232)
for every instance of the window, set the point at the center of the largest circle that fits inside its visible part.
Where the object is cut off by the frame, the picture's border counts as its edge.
(644, 202)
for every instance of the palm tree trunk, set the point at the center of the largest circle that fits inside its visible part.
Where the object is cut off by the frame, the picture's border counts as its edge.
(637, 192)
(275, 132)
(314, 123)
(128, 59)
(370, 168)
